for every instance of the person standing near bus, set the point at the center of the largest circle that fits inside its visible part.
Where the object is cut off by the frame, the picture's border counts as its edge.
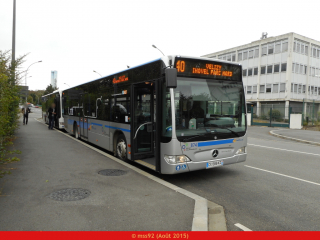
(25, 112)
(51, 115)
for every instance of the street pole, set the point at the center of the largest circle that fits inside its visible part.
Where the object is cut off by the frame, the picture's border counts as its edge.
(26, 77)
(13, 57)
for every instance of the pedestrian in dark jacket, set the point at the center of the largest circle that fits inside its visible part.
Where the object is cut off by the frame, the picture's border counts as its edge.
(51, 115)
(25, 111)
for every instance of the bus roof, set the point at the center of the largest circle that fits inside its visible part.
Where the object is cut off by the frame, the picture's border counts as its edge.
(164, 58)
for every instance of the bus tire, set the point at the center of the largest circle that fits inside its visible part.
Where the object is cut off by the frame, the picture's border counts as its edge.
(121, 147)
(75, 131)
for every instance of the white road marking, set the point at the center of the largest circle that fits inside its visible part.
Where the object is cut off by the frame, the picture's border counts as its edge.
(284, 149)
(242, 227)
(280, 174)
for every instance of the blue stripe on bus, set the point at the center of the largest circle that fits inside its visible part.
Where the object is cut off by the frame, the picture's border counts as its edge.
(97, 124)
(123, 129)
(204, 144)
(86, 125)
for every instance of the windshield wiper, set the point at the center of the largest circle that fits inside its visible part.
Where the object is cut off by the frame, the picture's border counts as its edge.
(235, 133)
(194, 136)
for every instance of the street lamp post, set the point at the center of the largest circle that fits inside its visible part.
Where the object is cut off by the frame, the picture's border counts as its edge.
(158, 49)
(28, 69)
(13, 57)
(97, 73)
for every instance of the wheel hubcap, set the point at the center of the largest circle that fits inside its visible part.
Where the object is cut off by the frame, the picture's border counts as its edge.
(121, 149)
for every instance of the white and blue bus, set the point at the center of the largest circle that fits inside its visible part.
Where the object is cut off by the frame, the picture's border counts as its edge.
(175, 114)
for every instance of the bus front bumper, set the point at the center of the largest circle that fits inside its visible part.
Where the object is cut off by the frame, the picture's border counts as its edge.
(194, 166)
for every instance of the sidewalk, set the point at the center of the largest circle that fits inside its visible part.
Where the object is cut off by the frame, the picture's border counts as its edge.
(305, 136)
(51, 161)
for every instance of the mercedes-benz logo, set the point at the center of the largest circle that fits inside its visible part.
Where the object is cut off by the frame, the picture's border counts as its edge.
(215, 153)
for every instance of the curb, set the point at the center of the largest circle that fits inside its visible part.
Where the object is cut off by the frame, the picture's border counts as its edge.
(207, 216)
(291, 138)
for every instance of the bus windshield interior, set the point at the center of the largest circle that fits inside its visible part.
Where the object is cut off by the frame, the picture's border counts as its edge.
(207, 109)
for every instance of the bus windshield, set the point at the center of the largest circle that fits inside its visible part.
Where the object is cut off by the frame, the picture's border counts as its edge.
(209, 109)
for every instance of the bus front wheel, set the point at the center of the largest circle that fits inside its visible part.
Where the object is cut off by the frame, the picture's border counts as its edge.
(121, 148)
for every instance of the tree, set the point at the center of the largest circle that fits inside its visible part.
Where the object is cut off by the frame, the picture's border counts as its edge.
(10, 76)
(49, 89)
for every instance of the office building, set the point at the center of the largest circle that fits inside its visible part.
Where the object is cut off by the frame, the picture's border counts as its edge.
(282, 70)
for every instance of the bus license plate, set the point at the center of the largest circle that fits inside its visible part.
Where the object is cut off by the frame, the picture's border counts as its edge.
(214, 164)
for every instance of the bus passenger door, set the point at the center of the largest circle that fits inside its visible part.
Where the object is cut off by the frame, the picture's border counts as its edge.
(84, 102)
(143, 124)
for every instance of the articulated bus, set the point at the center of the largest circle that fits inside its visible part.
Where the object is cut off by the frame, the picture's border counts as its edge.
(175, 114)
(47, 100)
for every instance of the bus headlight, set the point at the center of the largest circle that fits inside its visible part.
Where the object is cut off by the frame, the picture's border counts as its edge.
(176, 159)
(241, 150)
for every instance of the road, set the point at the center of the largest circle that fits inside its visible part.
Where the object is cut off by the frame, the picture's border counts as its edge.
(276, 189)
(254, 193)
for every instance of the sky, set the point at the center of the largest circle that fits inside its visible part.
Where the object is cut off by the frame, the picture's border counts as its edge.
(77, 37)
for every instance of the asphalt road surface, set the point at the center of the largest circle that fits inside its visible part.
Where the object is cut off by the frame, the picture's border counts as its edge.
(276, 189)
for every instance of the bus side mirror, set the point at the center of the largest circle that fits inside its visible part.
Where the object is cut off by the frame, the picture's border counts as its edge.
(171, 77)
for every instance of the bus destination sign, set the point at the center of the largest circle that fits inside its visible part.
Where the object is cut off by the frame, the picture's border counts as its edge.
(211, 69)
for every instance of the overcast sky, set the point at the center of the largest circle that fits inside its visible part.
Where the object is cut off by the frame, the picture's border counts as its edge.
(77, 37)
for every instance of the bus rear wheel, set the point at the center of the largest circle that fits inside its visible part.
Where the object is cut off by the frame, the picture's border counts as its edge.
(121, 148)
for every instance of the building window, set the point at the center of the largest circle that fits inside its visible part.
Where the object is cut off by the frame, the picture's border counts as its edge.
(268, 88)
(275, 88)
(294, 46)
(224, 58)
(306, 50)
(299, 88)
(277, 47)
(315, 90)
(302, 49)
(282, 87)
(233, 57)
(276, 68)
(298, 47)
(254, 89)
(270, 48)
(255, 71)
(229, 58)
(301, 69)
(291, 87)
(293, 67)
(261, 88)
(256, 53)
(264, 50)
(318, 53)
(295, 88)
(251, 54)
(305, 69)
(245, 55)
(297, 68)
(284, 46)
(283, 67)
(269, 69)
(244, 72)
(250, 72)
(249, 89)
(314, 52)
(313, 71)
(303, 88)
(312, 89)
(263, 70)
(239, 56)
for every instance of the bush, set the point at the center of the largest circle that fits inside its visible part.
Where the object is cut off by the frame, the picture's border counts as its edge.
(9, 109)
(264, 117)
(276, 115)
